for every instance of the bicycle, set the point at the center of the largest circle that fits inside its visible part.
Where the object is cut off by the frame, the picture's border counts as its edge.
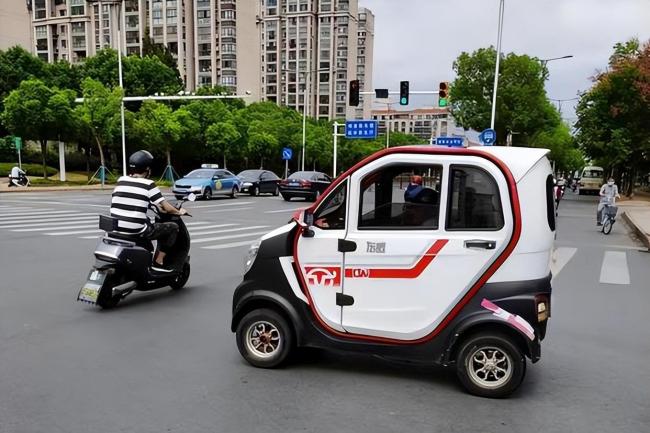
(609, 218)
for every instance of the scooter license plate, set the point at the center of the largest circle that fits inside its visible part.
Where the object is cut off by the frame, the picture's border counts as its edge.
(90, 291)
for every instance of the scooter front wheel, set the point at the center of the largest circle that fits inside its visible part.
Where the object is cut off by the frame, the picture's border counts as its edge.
(182, 278)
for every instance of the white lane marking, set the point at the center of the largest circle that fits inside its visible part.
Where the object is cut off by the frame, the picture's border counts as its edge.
(210, 227)
(238, 203)
(561, 256)
(230, 210)
(620, 247)
(614, 269)
(27, 212)
(105, 206)
(90, 237)
(221, 238)
(231, 245)
(68, 227)
(240, 229)
(44, 217)
(197, 223)
(76, 232)
(68, 221)
(285, 210)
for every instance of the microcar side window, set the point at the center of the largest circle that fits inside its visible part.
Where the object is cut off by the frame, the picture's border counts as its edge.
(550, 202)
(474, 202)
(401, 197)
(331, 214)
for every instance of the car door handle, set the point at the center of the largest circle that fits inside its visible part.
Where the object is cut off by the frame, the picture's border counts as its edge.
(479, 243)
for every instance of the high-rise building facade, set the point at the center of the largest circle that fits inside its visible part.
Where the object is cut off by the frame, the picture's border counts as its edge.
(309, 54)
(215, 42)
(298, 53)
(425, 123)
(14, 24)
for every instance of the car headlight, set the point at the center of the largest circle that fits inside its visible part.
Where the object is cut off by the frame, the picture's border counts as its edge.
(251, 255)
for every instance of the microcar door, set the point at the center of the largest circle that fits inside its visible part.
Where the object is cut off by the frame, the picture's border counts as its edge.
(418, 254)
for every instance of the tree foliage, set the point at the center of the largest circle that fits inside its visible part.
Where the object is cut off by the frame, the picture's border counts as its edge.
(522, 105)
(613, 125)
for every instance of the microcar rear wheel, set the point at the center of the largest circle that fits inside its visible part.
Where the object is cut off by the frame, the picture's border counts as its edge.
(490, 365)
(264, 338)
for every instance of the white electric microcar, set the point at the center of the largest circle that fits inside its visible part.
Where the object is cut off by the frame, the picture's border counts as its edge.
(428, 254)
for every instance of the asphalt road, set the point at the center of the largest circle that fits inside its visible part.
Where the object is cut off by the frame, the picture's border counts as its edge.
(166, 361)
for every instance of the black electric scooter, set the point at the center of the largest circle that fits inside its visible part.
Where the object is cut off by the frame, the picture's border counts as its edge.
(123, 262)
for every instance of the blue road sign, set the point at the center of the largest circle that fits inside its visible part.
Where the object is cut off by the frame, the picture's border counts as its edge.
(361, 129)
(287, 153)
(488, 137)
(450, 141)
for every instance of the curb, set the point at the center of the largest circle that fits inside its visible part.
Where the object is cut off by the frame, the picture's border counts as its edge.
(645, 238)
(56, 188)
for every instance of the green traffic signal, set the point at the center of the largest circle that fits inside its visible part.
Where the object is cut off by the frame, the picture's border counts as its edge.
(403, 101)
(442, 102)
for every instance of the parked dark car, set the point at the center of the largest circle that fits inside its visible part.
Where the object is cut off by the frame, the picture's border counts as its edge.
(307, 184)
(256, 182)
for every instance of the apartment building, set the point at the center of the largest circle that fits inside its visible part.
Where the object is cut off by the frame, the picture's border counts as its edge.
(422, 122)
(215, 42)
(309, 54)
(365, 49)
(14, 24)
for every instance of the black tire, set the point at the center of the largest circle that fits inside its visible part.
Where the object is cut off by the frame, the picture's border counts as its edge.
(181, 279)
(497, 351)
(255, 191)
(286, 197)
(579, 192)
(233, 193)
(207, 193)
(276, 192)
(264, 338)
(607, 226)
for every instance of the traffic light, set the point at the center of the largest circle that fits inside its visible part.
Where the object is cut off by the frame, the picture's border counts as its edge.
(443, 94)
(403, 93)
(353, 94)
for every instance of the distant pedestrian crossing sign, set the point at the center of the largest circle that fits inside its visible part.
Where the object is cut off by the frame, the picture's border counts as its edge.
(361, 129)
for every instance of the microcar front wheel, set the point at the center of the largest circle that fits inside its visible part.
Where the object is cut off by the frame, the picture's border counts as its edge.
(264, 338)
(490, 365)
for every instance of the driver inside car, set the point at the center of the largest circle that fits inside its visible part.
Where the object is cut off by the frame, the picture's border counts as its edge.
(420, 210)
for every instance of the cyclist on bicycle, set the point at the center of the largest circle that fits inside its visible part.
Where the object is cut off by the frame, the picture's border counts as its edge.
(608, 196)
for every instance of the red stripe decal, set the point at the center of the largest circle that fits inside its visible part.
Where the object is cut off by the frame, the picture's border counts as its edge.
(413, 272)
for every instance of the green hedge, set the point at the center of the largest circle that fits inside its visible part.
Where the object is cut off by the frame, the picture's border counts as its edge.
(30, 169)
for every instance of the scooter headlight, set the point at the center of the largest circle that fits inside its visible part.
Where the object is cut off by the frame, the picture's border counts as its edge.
(251, 255)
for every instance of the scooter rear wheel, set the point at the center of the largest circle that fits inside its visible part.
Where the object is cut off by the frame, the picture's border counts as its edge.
(182, 278)
(106, 300)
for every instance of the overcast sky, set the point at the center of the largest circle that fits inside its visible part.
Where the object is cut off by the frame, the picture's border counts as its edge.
(418, 40)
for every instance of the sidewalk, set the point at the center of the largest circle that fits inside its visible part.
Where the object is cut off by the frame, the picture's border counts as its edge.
(4, 187)
(637, 214)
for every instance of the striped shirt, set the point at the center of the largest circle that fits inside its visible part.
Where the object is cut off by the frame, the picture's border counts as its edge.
(130, 201)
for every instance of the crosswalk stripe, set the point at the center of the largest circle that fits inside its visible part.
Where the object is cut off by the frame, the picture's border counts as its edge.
(76, 232)
(614, 269)
(284, 210)
(221, 238)
(209, 227)
(68, 227)
(230, 210)
(197, 223)
(561, 256)
(231, 245)
(45, 217)
(237, 203)
(32, 212)
(90, 237)
(67, 221)
(212, 232)
(43, 221)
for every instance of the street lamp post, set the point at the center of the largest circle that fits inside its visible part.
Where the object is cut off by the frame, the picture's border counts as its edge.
(496, 71)
(545, 61)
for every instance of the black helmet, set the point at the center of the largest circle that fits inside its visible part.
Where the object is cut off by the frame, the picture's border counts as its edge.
(140, 161)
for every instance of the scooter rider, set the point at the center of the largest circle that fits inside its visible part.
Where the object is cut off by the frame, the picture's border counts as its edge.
(17, 177)
(608, 194)
(414, 188)
(129, 204)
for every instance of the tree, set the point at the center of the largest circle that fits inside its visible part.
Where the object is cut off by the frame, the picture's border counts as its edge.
(36, 112)
(100, 113)
(220, 137)
(157, 126)
(522, 105)
(564, 151)
(161, 51)
(262, 144)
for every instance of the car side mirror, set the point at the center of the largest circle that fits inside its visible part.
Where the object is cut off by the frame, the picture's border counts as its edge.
(306, 224)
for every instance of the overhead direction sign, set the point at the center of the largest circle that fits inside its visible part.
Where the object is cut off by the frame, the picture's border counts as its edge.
(287, 153)
(450, 141)
(361, 129)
